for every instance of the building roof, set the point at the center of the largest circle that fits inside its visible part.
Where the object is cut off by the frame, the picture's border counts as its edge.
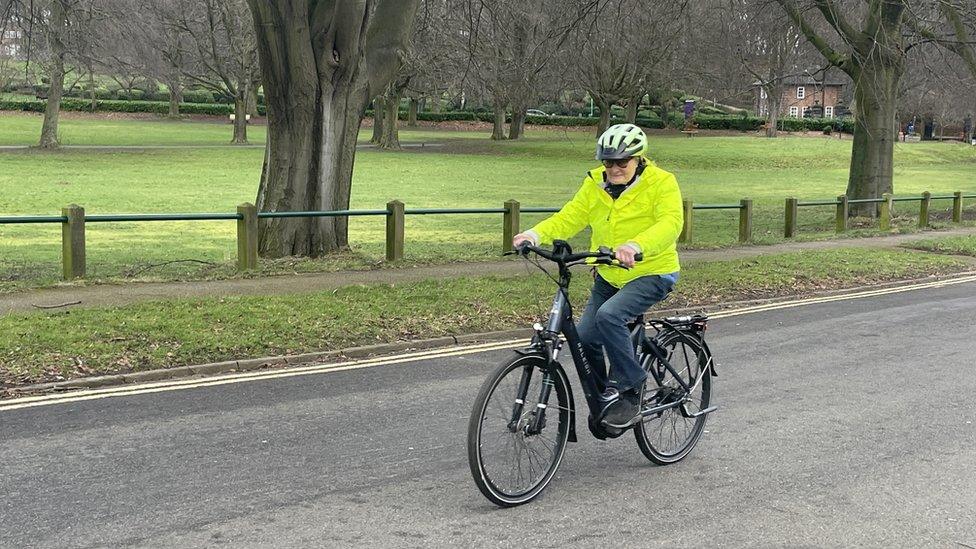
(806, 80)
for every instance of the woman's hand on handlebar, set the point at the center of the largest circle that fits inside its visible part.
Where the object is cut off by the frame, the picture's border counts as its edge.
(625, 255)
(520, 239)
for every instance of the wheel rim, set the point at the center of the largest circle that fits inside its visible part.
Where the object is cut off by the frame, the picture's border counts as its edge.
(670, 433)
(514, 462)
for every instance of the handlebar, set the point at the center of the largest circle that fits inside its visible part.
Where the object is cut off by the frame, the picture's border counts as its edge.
(561, 255)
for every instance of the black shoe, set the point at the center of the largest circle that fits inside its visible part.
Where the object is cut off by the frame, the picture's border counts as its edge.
(624, 410)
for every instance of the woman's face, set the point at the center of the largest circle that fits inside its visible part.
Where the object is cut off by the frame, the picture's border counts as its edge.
(620, 171)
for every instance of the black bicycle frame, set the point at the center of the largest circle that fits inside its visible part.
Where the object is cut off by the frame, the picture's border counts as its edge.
(547, 343)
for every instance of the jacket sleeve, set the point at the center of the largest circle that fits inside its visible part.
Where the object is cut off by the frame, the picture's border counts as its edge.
(670, 219)
(567, 222)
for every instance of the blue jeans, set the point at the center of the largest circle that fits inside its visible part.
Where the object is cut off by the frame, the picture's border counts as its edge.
(603, 326)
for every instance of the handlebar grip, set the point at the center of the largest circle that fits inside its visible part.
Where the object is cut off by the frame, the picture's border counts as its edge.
(639, 257)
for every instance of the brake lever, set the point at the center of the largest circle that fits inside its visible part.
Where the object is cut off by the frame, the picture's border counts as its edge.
(522, 250)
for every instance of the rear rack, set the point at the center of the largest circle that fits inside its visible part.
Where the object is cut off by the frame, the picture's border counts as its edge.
(698, 323)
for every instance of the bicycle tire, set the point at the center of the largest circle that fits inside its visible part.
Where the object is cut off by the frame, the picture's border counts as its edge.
(490, 423)
(651, 431)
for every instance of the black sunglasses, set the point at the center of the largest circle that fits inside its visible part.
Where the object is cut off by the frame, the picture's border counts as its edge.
(622, 163)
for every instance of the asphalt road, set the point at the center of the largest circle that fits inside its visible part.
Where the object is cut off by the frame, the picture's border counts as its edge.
(842, 424)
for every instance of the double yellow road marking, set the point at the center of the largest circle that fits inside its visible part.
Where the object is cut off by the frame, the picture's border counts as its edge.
(177, 385)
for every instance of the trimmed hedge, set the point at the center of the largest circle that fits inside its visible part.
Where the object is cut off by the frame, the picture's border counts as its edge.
(752, 123)
(643, 121)
(156, 107)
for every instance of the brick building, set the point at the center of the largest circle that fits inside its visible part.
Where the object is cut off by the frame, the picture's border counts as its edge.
(805, 96)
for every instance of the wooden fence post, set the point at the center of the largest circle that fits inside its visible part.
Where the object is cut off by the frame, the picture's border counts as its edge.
(792, 211)
(745, 220)
(957, 207)
(510, 224)
(73, 242)
(394, 230)
(843, 208)
(886, 210)
(923, 210)
(688, 227)
(247, 237)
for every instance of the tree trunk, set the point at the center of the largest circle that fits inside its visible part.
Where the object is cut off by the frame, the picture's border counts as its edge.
(308, 167)
(175, 97)
(412, 112)
(604, 121)
(498, 128)
(52, 112)
(517, 128)
(633, 104)
(774, 98)
(390, 136)
(379, 115)
(252, 100)
(875, 99)
(240, 118)
(319, 68)
(91, 88)
(665, 115)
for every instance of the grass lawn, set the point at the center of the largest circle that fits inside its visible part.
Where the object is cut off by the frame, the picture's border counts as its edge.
(57, 345)
(957, 245)
(468, 170)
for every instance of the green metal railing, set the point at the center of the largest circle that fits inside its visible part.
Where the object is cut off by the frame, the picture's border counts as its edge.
(73, 220)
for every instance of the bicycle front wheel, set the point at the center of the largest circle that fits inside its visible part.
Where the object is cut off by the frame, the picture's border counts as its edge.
(518, 430)
(670, 435)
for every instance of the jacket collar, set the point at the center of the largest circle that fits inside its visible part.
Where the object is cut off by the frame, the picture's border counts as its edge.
(596, 175)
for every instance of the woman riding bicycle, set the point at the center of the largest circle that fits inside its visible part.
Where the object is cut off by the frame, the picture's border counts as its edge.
(632, 207)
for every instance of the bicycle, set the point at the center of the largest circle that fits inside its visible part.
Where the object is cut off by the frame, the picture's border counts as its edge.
(514, 449)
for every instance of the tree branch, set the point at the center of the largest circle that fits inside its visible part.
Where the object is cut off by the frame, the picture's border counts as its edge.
(962, 47)
(838, 60)
(837, 20)
(391, 25)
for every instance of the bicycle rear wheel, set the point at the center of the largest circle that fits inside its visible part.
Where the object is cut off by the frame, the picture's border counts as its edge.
(510, 460)
(670, 435)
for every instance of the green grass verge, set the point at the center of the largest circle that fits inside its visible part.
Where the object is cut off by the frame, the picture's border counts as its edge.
(956, 245)
(57, 345)
(469, 170)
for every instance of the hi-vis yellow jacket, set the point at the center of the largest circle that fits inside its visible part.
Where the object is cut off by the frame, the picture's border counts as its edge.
(647, 215)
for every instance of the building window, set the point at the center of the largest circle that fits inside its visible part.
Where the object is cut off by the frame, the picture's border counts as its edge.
(829, 112)
(794, 111)
(801, 92)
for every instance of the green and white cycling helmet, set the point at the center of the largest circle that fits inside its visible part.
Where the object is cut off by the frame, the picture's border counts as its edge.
(621, 141)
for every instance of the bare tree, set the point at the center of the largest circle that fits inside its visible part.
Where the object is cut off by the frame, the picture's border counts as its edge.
(936, 87)
(622, 51)
(871, 41)
(431, 64)
(163, 52)
(223, 52)
(770, 47)
(512, 43)
(61, 32)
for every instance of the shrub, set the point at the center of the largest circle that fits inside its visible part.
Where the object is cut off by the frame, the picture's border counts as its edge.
(198, 96)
